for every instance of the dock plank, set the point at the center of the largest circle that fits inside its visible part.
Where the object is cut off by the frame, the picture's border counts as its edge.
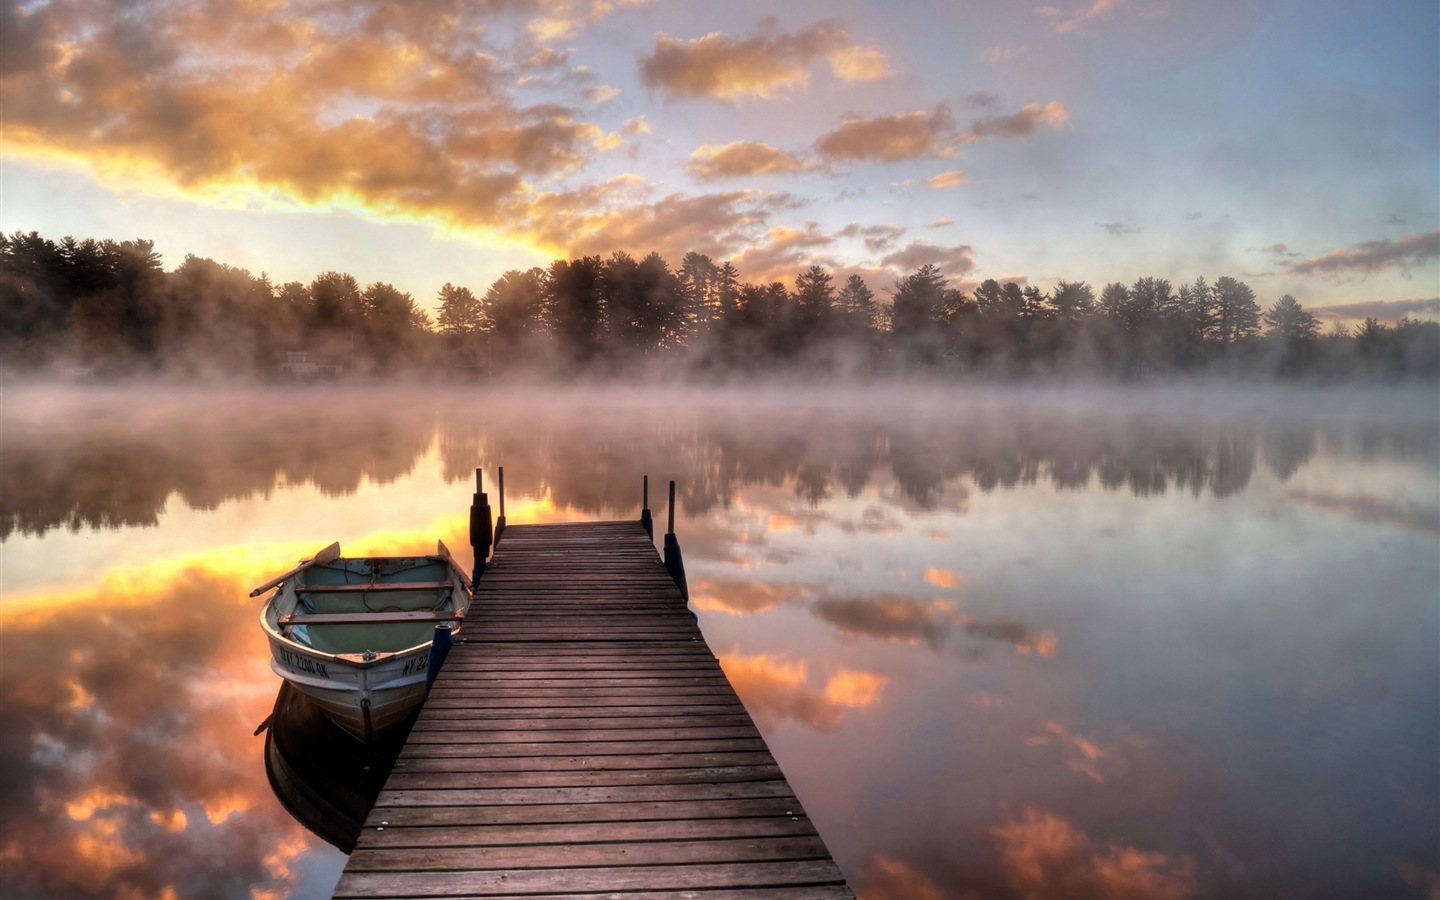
(582, 741)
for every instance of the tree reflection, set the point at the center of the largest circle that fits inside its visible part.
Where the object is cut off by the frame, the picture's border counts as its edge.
(105, 464)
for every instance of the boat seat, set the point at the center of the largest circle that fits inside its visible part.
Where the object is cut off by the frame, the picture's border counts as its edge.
(370, 588)
(365, 618)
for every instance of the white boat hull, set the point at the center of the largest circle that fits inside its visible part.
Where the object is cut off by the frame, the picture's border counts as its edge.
(361, 651)
(387, 689)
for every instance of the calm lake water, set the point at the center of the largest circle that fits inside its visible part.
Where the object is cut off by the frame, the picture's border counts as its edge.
(1005, 643)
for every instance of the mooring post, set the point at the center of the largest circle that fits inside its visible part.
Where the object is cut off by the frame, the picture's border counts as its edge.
(482, 534)
(438, 650)
(500, 520)
(673, 563)
(646, 521)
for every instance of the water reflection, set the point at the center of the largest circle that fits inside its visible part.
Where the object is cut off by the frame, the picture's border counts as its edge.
(126, 765)
(322, 776)
(81, 463)
(1002, 646)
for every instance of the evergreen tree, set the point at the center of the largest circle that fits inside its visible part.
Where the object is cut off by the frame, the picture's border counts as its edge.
(1236, 314)
(460, 311)
(814, 303)
(1287, 320)
(855, 304)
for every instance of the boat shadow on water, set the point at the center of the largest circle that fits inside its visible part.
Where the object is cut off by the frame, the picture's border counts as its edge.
(325, 777)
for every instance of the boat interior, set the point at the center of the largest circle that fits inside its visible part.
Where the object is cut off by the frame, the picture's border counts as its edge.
(382, 605)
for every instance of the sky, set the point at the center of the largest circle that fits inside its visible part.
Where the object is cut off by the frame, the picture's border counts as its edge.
(1293, 144)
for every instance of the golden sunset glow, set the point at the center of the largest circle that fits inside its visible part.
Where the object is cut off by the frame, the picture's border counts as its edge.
(498, 126)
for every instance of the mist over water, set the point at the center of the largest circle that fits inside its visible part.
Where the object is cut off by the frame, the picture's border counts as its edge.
(1121, 642)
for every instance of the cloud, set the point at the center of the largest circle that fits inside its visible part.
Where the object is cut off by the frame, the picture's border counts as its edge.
(560, 20)
(919, 134)
(767, 64)
(954, 261)
(623, 216)
(743, 158)
(637, 125)
(1365, 508)
(943, 578)
(941, 223)
(1381, 310)
(741, 598)
(888, 617)
(1373, 256)
(101, 799)
(1083, 755)
(1000, 54)
(1064, 22)
(889, 138)
(404, 111)
(1043, 855)
(774, 685)
(1118, 229)
(884, 878)
(947, 180)
(877, 237)
(1018, 125)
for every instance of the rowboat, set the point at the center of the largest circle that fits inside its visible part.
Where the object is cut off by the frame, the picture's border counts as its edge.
(355, 634)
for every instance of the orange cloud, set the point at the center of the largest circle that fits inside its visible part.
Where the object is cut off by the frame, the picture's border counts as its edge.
(559, 20)
(852, 688)
(1029, 119)
(1373, 256)
(890, 138)
(954, 261)
(744, 597)
(943, 578)
(1065, 22)
(1043, 855)
(775, 685)
(112, 793)
(768, 64)
(742, 158)
(884, 878)
(402, 111)
(947, 180)
(1082, 754)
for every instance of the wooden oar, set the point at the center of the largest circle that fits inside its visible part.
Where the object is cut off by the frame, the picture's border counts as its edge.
(329, 553)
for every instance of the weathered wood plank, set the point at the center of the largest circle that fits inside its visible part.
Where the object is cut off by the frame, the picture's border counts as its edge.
(569, 763)
(520, 882)
(649, 853)
(463, 748)
(529, 835)
(560, 724)
(670, 812)
(577, 778)
(583, 741)
(615, 794)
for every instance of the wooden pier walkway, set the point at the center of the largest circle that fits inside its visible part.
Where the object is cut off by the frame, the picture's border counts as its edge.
(582, 741)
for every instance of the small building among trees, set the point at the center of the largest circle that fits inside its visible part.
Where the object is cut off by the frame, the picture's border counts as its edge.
(298, 364)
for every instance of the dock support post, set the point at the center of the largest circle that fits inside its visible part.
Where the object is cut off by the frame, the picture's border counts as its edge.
(646, 521)
(500, 520)
(673, 562)
(482, 534)
(438, 651)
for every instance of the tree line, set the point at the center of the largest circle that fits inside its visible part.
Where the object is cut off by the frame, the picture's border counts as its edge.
(111, 306)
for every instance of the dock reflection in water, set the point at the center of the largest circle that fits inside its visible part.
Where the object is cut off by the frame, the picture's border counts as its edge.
(324, 777)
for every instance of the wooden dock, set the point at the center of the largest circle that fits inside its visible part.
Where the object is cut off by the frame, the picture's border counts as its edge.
(582, 741)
